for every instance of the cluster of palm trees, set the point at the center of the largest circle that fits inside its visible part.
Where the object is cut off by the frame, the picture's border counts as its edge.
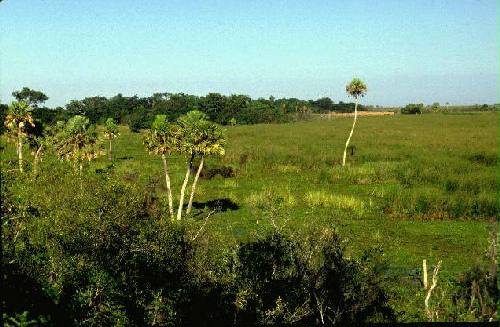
(75, 140)
(193, 136)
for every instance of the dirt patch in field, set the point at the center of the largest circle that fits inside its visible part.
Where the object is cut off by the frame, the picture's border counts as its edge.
(360, 114)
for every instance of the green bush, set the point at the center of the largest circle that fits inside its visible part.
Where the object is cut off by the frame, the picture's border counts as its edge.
(412, 109)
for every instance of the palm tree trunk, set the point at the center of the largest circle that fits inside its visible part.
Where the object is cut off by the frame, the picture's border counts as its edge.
(183, 189)
(193, 187)
(20, 149)
(110, 148)
(169, 190)
(352, 131)
(36, 159)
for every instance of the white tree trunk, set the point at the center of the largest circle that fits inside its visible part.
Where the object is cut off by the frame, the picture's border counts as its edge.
(424, 269)
(169, 190)
(37, 159)
(20, 150)
(352, 131)
(110, 149)
(183, 188)
(193, 187)
(430, 313)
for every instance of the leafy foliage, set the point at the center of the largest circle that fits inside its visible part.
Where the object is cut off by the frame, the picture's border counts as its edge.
(412, 109)
(356, 88)
(163, 137)
(110, 129)
(200, 136)
(31, 97)
(19, 119)
(77, 141)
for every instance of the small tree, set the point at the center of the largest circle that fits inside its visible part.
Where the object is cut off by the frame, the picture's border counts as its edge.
(356, 88)
(210, 140)
(435, 106)
(77, 141)
(110, 132)
(32, 97)
(191, 126)
(17, 122)
(413, 109)
(162, 139)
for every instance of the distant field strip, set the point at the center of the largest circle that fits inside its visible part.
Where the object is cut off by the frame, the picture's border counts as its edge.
(360, 114)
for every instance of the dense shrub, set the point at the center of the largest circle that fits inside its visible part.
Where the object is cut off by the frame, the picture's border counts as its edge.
(412, 109)
(84, 251)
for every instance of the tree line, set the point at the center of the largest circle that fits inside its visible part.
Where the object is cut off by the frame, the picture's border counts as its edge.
(140, 112)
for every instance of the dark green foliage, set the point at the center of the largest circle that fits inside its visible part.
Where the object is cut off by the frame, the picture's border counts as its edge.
(139, 112)
(98, 109)
(478, 289)
(324, 104)
(412, 109)
(139, 119)
(90, 254)
(173, 105)
(31, 97)
(3, 112)
(223, 171)
(482, 281)
(48, 116)
(284, 280)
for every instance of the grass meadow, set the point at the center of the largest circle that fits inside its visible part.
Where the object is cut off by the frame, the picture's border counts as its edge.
(417, 186)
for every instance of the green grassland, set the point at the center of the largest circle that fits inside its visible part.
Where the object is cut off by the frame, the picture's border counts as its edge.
(417, 186)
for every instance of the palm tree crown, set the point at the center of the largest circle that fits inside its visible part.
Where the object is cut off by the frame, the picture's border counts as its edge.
(162, 138)
(110, 129)
(19, 118)
(77, 140)
(356, 88)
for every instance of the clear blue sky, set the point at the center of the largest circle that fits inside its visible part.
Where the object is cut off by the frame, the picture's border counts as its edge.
(406, 51)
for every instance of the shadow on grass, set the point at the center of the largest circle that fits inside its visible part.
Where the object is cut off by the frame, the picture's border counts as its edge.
(217, 204)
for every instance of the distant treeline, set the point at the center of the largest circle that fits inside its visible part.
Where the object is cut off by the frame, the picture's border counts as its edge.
(420, 108)
(139, 112)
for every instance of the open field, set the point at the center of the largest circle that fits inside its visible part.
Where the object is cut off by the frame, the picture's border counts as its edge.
(420, 186)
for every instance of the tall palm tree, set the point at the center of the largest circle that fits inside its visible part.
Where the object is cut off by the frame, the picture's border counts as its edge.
(110, 132)
(77, 141)
(162, 139)
(356, 88)
(210, 141)
(17, 121)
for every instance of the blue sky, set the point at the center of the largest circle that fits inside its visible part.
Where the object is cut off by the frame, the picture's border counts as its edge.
(406, 51)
